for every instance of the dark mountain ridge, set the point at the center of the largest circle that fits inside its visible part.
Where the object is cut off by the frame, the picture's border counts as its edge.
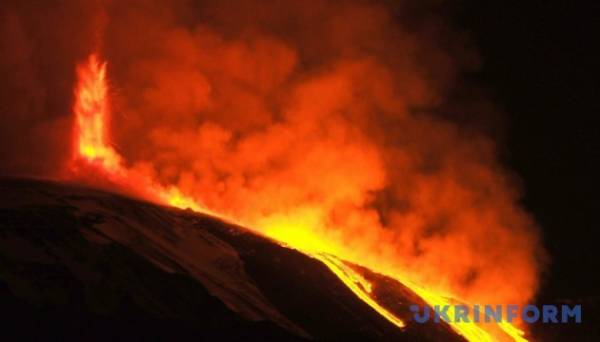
(81, 264)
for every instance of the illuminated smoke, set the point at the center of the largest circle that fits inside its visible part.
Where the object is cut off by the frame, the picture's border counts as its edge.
(321, 120)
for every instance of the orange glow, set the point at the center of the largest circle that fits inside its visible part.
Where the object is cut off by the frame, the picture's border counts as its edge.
(308, 228)
(91, 114)
(91, 143)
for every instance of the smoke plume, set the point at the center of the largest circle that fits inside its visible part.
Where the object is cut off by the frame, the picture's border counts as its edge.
(344, 120)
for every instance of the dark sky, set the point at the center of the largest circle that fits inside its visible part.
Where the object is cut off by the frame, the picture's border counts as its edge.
(541, 66)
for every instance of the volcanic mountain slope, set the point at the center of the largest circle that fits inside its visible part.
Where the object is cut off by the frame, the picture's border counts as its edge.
(81, 264)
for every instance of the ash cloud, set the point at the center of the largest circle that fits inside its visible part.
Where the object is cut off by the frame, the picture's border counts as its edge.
(329, 118)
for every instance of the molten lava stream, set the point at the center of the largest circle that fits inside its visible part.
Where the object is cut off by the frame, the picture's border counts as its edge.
(93, 152)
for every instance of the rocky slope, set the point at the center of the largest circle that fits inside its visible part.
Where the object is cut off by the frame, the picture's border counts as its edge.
(80, 264)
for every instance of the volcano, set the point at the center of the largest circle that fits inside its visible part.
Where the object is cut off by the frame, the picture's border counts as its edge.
(81, 264)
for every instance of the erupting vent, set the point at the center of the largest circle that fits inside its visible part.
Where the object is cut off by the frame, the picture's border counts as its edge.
(303, 230)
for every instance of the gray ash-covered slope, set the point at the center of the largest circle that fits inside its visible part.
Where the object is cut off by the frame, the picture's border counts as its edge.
(80, 264)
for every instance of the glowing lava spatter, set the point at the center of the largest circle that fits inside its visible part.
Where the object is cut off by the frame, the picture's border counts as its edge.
(91, 144)
(91, 115)
(93, 151)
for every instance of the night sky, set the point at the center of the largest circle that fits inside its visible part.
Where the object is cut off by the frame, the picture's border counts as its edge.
(540, 64)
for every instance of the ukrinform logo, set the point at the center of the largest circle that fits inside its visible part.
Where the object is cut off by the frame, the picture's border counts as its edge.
(497, 313)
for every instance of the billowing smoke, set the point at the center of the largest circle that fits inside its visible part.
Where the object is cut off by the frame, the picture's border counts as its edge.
(342, 120)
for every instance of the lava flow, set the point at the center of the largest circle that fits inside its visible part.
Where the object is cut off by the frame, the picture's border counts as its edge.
(94, 154)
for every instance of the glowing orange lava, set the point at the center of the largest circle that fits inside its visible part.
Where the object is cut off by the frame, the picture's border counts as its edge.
(93, 151)
(91, 143)
(92, 113)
